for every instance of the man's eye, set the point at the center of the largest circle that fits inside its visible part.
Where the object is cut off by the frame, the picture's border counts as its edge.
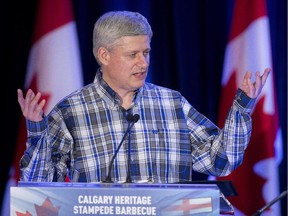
(146, 53)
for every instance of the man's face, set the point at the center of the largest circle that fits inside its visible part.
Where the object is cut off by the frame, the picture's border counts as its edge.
(127, 65)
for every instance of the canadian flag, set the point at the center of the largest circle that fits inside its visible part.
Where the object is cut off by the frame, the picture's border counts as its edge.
(248, 49)
(54, 68)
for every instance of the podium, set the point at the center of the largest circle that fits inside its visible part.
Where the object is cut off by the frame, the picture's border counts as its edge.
(34, 198)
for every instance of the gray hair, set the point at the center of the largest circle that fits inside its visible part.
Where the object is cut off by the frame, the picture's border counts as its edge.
(116, 24)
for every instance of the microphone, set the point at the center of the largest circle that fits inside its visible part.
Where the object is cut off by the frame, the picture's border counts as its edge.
(132, 119)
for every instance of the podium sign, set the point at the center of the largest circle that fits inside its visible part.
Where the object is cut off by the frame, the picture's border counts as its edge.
(36, 199)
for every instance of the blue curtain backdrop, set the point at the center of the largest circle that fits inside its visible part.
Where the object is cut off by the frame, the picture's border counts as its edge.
(187, 55)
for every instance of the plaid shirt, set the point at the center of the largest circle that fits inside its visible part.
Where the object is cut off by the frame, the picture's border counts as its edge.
(81, 134)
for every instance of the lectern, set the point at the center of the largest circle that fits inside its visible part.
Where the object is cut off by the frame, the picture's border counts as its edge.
(68, 199)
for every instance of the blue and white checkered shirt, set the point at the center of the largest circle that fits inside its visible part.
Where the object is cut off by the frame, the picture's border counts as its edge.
(81, 134)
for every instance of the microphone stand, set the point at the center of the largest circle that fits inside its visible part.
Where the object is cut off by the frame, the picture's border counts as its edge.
(128, 177)
(108, 178)
(260, 211)
(132, 120)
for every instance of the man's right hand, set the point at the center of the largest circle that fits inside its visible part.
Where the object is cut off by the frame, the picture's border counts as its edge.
(31, 108)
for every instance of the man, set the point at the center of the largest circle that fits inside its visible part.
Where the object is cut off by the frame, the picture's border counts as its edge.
(80, 137)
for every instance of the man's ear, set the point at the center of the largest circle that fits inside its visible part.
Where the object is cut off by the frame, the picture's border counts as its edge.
(103, 55)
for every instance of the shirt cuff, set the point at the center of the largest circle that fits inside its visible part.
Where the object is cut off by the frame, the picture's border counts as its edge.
(36, 128)
(244, 102)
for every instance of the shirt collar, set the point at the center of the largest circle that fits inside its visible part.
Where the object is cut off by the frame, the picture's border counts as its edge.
(108, 94)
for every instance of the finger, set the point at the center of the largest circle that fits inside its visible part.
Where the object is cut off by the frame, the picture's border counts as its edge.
(30, 93)
(258, 83)
(20, 97)
(247, 75)
(34, 109)
(265, 75)
(258, 80)
(39, 108)
(28, 99)
(261, 80)
(251, 88)
(26, 102)
(35, 99)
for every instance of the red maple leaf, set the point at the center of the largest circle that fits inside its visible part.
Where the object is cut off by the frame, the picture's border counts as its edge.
(47, 208)
(27, 213)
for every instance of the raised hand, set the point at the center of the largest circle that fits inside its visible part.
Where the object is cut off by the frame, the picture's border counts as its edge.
(253, 90)
(31, 108)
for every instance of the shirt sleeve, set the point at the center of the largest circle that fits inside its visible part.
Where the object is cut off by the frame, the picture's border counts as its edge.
(46, 155)
(218, 151)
